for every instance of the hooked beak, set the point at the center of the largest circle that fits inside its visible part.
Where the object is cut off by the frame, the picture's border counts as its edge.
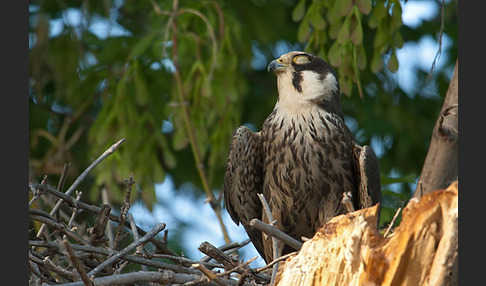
(275, 66)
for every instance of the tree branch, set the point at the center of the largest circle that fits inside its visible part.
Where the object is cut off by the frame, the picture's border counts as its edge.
(441, 163)
(157, 228)
(81, 177)
(275, 232)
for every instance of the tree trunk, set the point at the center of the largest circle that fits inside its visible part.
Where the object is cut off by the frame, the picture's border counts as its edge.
(348, 250)
(441, 164)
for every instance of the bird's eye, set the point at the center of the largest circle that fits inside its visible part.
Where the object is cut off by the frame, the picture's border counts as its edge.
(301, 59)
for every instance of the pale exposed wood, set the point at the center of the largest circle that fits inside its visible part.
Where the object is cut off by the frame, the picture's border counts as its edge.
(348, 250)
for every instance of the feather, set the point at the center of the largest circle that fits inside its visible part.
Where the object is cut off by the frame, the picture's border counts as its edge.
(243, 180)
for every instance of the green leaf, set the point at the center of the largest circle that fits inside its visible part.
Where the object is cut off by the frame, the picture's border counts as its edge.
(179, 139)
(304, 31)
(361, 60)
(343, 35)
(142, 94)
(346, 85)
(397, 40)
(376, 62)
(393, 62)
(396, 18)
(356, 29)
(334, 30)
(343, 7)
(121, 85)
(299, 11)
(317, 20)
(381, 38)
(377, 14)
(142, 45)
(335, 54)
(380, 9)
(364, 6)
(169, 158)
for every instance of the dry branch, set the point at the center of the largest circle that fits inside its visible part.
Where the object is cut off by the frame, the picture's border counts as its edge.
(77, 264)
(218, 255)
(158, 228)
(68, 199)
(81, 177)
(275, 232)
(131, 258)
(164, 277)
(227, 247)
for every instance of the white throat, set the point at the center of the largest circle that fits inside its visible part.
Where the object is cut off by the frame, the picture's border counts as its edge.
(313, 89)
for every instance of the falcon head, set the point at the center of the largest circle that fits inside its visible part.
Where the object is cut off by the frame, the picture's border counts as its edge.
(305, 78)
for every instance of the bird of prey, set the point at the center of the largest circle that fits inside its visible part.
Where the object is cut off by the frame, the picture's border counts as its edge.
(303, 159)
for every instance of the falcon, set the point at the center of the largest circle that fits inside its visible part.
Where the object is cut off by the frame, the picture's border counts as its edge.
(303, 159)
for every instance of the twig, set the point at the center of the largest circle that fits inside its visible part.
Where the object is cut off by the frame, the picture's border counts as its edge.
(41, 213)
(81, 177)
(35, 269)
(37, 192)
(59, 270)
(41, 265)
(185, 261)
(70, 200)
(228, 262)
(62, 179)
(133, 227)
(48, 264)
(230, 246)
(241, 266)
(392, 222)
(61, 227)
(98, 230)
(75, 210)
(209, 274)
(50, 201)
(140, 249)
(108, 230)
(275, 244)
(269, 265)
(441, 32)
(131, 258)
(124, 210)
(210, 250)
(164, 278)
(158, 228)
(275, 232)
(122, 265)
(77, 264)
(241, 280)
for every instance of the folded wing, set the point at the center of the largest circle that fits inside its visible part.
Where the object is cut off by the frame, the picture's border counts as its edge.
(243, 180)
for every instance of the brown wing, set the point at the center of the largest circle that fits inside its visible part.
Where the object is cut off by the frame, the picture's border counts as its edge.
(368, 174)
(243, 180)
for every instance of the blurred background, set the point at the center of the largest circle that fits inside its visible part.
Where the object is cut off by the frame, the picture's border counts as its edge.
(176, 78)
